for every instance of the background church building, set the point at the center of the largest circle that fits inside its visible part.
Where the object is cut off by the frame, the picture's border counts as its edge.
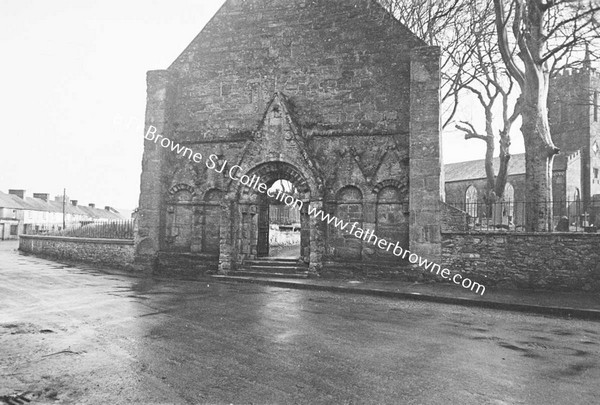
(575, 128)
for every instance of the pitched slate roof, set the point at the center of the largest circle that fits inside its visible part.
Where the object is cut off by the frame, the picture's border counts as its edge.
(475, 169)
(100, 213)
(37, 204)
(9, 201)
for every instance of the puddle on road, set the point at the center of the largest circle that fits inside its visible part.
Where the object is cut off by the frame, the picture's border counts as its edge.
(563, 332)
(141, 297)
(577, 369)
(24, 328)
(491, 338)
(511, 347)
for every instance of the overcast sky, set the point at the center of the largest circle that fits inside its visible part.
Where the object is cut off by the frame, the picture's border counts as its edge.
(74, 92)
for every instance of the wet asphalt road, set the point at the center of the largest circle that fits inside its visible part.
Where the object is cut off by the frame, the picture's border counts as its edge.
(78, 335)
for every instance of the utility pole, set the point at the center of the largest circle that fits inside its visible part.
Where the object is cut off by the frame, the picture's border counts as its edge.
(64, 206)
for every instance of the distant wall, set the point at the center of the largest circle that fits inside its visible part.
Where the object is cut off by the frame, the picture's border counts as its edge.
(284, 238)
(550, 261)
(111, 252)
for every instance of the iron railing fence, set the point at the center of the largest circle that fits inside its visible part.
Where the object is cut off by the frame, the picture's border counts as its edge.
(104, 230)
(283, 215)
(567, 216)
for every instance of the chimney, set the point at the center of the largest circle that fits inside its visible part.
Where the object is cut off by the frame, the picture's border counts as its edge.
(41, 196)
(107, 208)
(18, 193)
(92, 205)
(74, 202)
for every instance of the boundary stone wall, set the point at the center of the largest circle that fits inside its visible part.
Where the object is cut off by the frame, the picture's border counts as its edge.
(453, 219)
(549, 261)
(188, 265)
(111, 252)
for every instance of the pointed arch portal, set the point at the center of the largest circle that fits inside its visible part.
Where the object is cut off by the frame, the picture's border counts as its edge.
(254, 207)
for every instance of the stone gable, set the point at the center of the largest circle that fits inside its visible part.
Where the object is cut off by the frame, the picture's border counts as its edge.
(343, 64)
(325, 94)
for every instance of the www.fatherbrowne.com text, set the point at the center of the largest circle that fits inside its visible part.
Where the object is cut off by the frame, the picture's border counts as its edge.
(235, 172)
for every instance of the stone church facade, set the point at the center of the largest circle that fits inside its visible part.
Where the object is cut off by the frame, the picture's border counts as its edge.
(334, 96)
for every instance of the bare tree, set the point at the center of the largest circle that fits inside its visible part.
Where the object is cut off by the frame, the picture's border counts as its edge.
(535, 37)
(493, 88)
(471, 63)
(444, 24)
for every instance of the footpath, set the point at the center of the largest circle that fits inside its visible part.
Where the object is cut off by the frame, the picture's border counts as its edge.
(585, 305)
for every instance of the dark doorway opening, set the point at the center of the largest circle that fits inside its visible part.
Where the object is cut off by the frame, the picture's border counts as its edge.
(279, 224)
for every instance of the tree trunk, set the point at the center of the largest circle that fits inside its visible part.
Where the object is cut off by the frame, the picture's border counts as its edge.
(489, 170)
(504, 159)
(539, 151)
(538, 186)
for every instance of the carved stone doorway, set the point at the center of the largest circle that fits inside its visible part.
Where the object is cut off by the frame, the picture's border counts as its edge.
(279, 224)
(255, 230)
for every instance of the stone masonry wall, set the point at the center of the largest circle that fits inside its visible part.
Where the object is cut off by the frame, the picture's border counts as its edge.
(453, 219)
(150, 224)
(550, 261)
(426, 174)
(344, 64)
(111, 252)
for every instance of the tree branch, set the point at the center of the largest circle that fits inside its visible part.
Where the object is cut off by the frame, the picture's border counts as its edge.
(470, 131)
(501, 22)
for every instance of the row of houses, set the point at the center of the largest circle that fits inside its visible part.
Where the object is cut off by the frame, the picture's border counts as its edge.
(20, 214)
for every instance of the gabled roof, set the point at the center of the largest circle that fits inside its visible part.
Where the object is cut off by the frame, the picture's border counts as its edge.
(109, 214)
(125, 213)
(375, 9)
(8, 201)
(475, 169)
(37, 204)
(305, 49)
(99, 213)
(57, 204)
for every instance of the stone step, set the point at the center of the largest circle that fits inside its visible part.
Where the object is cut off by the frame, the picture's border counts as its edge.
(249, 273)
(276, 260)
(266, 263)
(275, 269)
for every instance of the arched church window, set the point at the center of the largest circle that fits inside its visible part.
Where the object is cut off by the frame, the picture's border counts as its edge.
(509, 201)
(471, 201)
(574, 207)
